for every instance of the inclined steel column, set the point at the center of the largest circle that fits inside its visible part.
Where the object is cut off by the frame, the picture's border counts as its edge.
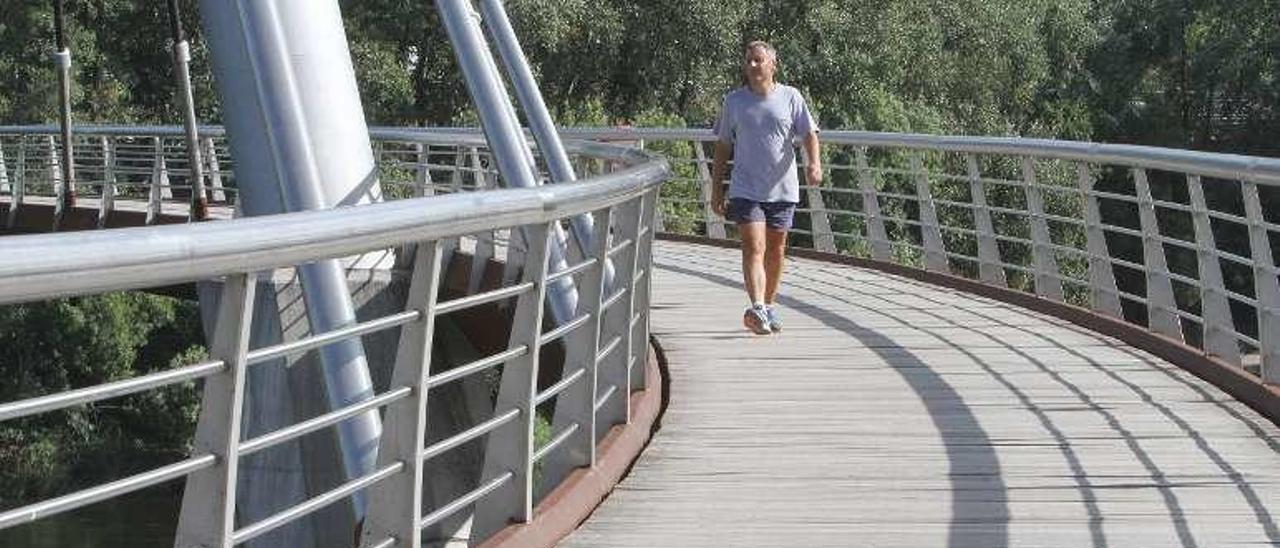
(300, 141)
(535, 110)
(502, 129)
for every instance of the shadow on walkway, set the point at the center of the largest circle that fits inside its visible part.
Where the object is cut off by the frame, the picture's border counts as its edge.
(974, 466)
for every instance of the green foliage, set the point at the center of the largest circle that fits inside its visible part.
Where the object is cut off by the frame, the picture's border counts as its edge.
(64, 344)
(1169, 72)
(121, 64)
(1190, 74)
(1203, 74)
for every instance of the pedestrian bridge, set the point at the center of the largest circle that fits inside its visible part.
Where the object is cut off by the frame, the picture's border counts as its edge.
(989, 342)
(894, 412)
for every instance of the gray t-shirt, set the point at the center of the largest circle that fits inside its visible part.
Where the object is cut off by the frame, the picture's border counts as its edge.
(763, 130)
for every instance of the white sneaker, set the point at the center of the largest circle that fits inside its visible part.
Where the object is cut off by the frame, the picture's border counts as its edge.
(775, 321)
(757, 320)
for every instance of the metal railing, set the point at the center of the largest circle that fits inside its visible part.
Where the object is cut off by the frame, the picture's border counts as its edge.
(1175, 240)
(1178, 241)
(144, 169)
(605, 344)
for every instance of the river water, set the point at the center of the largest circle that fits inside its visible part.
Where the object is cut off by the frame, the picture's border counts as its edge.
(146, 519)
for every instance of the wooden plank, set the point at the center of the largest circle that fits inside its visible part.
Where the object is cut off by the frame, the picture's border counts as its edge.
(892, 413)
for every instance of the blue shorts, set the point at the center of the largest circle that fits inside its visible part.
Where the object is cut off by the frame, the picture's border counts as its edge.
(775, 215)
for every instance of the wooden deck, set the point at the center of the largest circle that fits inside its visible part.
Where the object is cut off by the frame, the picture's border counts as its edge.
(894, 413)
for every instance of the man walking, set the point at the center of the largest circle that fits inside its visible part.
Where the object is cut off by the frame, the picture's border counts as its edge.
(759, 125)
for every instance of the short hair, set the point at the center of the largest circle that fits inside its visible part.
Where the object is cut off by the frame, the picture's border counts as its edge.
(773, 53)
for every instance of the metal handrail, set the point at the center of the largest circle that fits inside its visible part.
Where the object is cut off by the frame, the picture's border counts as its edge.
(104, 261)
(1219, 165)
(888, 211)
(1227, 166)
(58, 265)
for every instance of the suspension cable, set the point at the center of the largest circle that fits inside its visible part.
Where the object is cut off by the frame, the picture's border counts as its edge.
(62, 59)
(182, 73)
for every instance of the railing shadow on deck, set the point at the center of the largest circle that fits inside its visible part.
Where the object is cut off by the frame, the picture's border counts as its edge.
(970, 455)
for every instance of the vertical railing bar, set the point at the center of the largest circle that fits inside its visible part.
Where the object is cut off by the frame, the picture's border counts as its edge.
(395, 506)
(19, 183)
(484, 249)
(1218, 327)
(990, 266)
(516, 249)
(880, 249)
(208, 502)
(153, 193)
(597, 332)
(715, 225)
(166, 184)
(422, 178)
(1265, 285)
(1104, 297)
(4, 172)
(1161, 306)
(379, 157)
(1048, 284)
(576, 404)
(820, 223)
(617, 322)
(935, 254)
(631, 231)
(644, 293)
(658, 225)
(459, 161)
(215, 171)
(510, 447)
(108, 198)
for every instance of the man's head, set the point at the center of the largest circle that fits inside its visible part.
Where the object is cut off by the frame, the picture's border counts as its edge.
(760, 63)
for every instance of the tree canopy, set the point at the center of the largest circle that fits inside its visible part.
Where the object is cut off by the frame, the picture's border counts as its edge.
(1202, 74)
(1189, 73)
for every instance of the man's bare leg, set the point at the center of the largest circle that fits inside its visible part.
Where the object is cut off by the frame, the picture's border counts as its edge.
(774, 251)
(753, 271)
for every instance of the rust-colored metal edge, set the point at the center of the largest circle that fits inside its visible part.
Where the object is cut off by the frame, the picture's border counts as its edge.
(1248, 389)
(566, 507)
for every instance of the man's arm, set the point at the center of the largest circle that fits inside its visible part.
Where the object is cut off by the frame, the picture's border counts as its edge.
(718, 172)
(813, 153)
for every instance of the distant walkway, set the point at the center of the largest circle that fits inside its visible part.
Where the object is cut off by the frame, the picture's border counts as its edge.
(36, 213)
(894, 413)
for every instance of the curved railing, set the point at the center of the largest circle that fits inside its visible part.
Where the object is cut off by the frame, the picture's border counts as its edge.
(1178, 244)
(604, 343)
(145, 169)
(1177, 241)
